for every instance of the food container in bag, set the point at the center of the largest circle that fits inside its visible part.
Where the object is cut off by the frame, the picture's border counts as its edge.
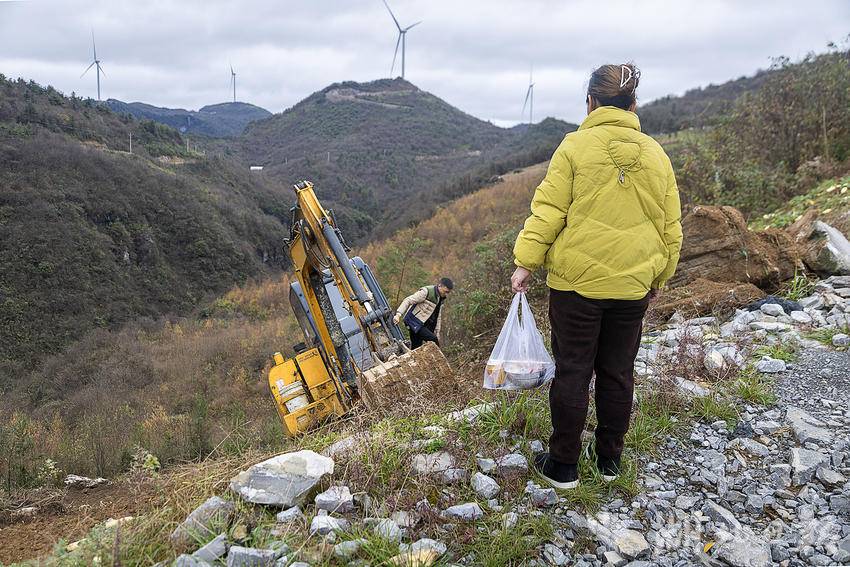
(519, 360)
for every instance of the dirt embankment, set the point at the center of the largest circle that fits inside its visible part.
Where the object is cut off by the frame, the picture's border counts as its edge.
(67, 515)
(724, 265)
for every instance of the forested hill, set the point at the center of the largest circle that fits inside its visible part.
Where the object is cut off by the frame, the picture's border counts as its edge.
(219, 120)
(91, 235)
(384, 153)
(697, 107)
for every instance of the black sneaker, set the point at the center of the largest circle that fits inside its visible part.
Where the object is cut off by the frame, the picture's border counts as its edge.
(609, 467)
(557, 474)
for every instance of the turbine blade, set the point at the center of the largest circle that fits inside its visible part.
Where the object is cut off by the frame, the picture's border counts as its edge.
(93, 46)
(393, 15)
(100, 68)
(527, 94)
(412, 25)
(395, 54)
(87, 69)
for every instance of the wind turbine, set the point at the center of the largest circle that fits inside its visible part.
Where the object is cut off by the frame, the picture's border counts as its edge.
(402, 34)
(529, 98)
(233, 82)
(95, 63)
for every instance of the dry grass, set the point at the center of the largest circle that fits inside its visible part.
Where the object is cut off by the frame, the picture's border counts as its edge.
(450, 233)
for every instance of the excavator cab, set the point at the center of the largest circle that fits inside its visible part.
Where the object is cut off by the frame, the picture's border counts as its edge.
(352, 349)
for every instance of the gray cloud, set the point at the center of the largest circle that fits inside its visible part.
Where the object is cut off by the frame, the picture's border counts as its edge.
(476, 54)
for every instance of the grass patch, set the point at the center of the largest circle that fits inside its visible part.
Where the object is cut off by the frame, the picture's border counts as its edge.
(781, 351)
(798, 287)
(714, 407)
(524, 413)
(753, 387)
(655, 417)
(495, 546)
(824, 335)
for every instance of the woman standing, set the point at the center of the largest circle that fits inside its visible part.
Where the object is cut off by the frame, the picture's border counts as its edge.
(605, 223)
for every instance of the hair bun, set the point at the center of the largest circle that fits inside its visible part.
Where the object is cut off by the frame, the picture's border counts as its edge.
(615, 85)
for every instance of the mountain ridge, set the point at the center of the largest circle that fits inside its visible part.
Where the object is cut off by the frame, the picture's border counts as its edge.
(224, 119)
(384, 144)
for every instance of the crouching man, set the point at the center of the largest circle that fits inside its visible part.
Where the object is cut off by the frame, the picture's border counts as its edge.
(421, 312)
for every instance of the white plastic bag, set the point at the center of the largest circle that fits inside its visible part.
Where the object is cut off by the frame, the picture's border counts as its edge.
(519, 360)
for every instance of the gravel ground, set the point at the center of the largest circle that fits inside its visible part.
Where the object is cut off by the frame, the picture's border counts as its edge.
(817, 375)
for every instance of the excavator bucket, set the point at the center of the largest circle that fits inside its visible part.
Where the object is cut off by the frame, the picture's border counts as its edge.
(421, 374)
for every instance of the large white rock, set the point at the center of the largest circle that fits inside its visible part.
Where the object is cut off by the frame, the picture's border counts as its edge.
(806, 427)
(750, 446)
(801, 317)
(768, 365)
(713, 360)
(721, 516)
(769, 326)
(324, 525)
(772, 309)
(484, 486)
(285, 480)
(471, 414)
(344, 447)
(512, 463)
(335, 499)
(290, 515)
(742, 548)
(631, 544)
(388, 530)
(805, 463)
(213, 550)
(77, 481)
(840, 340)
(348, 549)
(464, 512)
(250, 557)
(432, 463)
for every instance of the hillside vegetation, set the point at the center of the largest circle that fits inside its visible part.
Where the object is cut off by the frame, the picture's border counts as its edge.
(696, 108)
(217, 120)
(202, 379)
(382, 154)
(773, 143)
(92, 236)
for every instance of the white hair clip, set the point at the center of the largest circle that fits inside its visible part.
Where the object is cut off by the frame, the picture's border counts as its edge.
(623, 79)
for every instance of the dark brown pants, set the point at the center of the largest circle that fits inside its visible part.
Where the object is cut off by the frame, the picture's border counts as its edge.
(601, 335)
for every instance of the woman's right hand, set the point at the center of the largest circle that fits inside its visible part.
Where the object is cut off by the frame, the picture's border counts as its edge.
(520, 280)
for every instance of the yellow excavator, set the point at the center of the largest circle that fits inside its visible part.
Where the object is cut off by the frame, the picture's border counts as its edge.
(352, 349)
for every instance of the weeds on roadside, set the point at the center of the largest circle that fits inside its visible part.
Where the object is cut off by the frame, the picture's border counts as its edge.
(496, 546)
(782, 351)
(656, 416)
(714, 407)
(798, 287)
(754, 387)
(824, 335)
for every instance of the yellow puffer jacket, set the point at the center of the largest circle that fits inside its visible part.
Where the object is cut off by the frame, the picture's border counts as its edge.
(605, 222)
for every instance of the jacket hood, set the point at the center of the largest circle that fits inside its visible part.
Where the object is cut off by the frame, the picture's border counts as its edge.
(611, 116)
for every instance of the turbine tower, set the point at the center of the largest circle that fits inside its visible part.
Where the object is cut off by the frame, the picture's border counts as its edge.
(233, 82)
(529, 99)
(95, 63)
(402, 35)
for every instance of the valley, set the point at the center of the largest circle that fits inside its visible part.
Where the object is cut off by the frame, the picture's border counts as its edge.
(150, 290)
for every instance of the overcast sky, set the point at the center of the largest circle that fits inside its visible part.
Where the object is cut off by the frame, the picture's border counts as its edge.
(476, 54)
